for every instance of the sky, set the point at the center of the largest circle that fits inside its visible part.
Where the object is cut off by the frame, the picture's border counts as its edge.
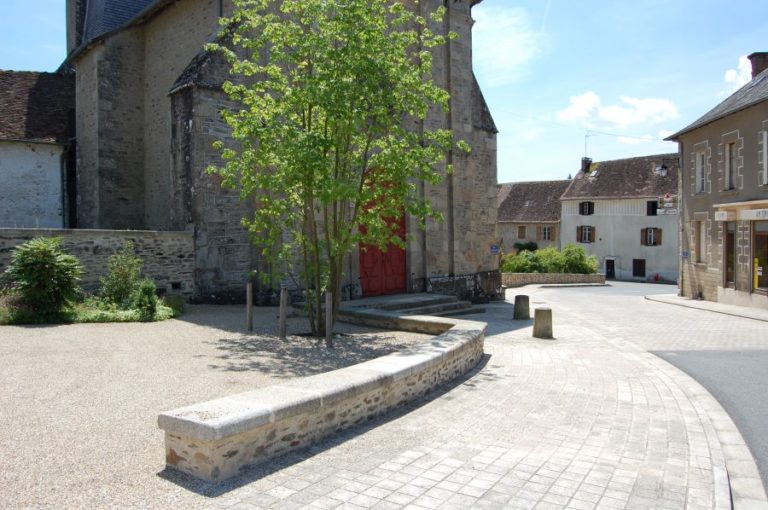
(563, 79)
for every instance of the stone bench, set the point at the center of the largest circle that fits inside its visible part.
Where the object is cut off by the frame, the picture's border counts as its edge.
(213, 440)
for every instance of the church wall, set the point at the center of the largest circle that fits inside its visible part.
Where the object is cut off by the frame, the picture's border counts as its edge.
(172, 39)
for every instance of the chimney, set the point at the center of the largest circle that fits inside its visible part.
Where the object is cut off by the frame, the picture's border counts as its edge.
(585, 164)
(759, 61)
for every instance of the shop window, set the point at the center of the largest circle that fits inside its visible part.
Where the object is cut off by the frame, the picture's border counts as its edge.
(730, 254)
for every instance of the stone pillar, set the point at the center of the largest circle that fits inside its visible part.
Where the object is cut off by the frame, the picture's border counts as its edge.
(522, 310)
(542, 323)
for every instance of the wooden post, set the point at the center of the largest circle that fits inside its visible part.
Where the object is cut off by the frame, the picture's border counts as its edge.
(283, 312)
(328, 320)
(249, 305)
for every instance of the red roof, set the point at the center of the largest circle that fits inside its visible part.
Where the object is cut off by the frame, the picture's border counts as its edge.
(36, 107)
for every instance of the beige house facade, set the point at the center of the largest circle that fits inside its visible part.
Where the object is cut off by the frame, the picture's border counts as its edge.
(148, 103)
(724, 190)
(529, 212)
(625, 213)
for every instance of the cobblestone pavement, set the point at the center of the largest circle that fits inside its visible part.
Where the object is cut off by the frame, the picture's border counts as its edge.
(589, 420)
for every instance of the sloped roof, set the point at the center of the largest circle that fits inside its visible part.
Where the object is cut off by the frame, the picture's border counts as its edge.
(531, 202)
(35, 106)
(103, 16)
(756, 91)
(626, 178)
(481, 114)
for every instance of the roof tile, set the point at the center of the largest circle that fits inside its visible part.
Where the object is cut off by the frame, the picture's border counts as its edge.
(36, 106)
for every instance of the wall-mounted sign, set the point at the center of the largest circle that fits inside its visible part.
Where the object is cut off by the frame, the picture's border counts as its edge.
(725, 215)
(753, 214)
(494, 249)
(685, 254)
(666, 212)
(667, 201)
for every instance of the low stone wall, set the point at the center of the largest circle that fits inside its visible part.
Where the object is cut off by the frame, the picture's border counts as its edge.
(214, 440)
(169, 257)
(520, 279)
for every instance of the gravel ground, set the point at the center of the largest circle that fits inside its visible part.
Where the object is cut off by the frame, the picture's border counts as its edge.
(79, 403)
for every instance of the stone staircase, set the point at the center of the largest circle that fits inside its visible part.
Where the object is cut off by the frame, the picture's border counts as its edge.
(415, 304)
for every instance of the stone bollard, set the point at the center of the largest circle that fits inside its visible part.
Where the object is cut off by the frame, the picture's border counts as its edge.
(542, 322)
(522, 311)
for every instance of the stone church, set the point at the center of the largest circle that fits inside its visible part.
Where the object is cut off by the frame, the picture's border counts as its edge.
(147, 103)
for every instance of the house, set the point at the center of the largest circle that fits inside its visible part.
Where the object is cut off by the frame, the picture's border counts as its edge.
(148, 103)
(36, 165)
(529, 212)
(725, 197)
(624, 212)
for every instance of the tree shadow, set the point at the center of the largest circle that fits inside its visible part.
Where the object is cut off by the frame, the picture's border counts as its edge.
(474, 380)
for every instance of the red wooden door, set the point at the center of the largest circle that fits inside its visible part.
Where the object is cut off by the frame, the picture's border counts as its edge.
(383, 272)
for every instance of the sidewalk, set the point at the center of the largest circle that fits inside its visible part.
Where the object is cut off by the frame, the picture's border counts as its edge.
(711, 306)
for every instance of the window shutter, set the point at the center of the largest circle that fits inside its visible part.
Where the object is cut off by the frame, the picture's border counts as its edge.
(591, 207)
(538, 233)
(658, 237)
(644, 236)
(592, 234)
(579, 231)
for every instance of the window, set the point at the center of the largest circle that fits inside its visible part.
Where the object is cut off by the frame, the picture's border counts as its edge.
(586, 208)
(521, 232)
(651, 207)
(650, 236)
(638, 268)
(764, 172)
(546, 233)
(585, 234)
(701, 164)
(730, 165)
(701, 241)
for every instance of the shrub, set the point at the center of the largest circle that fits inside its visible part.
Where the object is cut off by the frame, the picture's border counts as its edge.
(572, 259)
(122, 280)
(577, 260)
(523, 262)
(145, 300)
(175, 302)
(529, 246)
(44, 276)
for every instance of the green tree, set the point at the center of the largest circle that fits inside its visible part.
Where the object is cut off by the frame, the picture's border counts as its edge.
(326, 91)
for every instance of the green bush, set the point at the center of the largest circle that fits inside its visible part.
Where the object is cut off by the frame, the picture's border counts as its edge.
(572, 259)
(123, 276)
(523, 262)
(145, 300)
(176, 302)
(529, 246)
(577, 260)
(45, 278)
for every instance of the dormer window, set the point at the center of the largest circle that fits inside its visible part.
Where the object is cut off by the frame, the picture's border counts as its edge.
(586, 208)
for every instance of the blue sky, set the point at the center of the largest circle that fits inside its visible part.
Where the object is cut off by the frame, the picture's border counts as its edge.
(552, 71)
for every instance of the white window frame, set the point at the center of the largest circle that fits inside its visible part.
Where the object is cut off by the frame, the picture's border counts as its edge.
(546, 233)
(650, 236)
(586, 230)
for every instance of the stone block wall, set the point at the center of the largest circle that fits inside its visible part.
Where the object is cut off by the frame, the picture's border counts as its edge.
(169, 258)
(214, 440)
(520, 279)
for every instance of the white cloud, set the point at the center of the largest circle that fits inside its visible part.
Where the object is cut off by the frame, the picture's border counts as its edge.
(663, 133)
(587, 109)
(737, 78)
(504, 41)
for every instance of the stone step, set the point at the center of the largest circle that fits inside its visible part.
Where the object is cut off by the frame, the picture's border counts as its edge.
(435, 309)
(463, 311)
(405, 302)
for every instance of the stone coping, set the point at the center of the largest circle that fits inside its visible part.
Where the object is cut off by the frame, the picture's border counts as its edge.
(254, 421)
(54, 232)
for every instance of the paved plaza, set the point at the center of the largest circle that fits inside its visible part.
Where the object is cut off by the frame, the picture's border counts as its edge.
(592, 419)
